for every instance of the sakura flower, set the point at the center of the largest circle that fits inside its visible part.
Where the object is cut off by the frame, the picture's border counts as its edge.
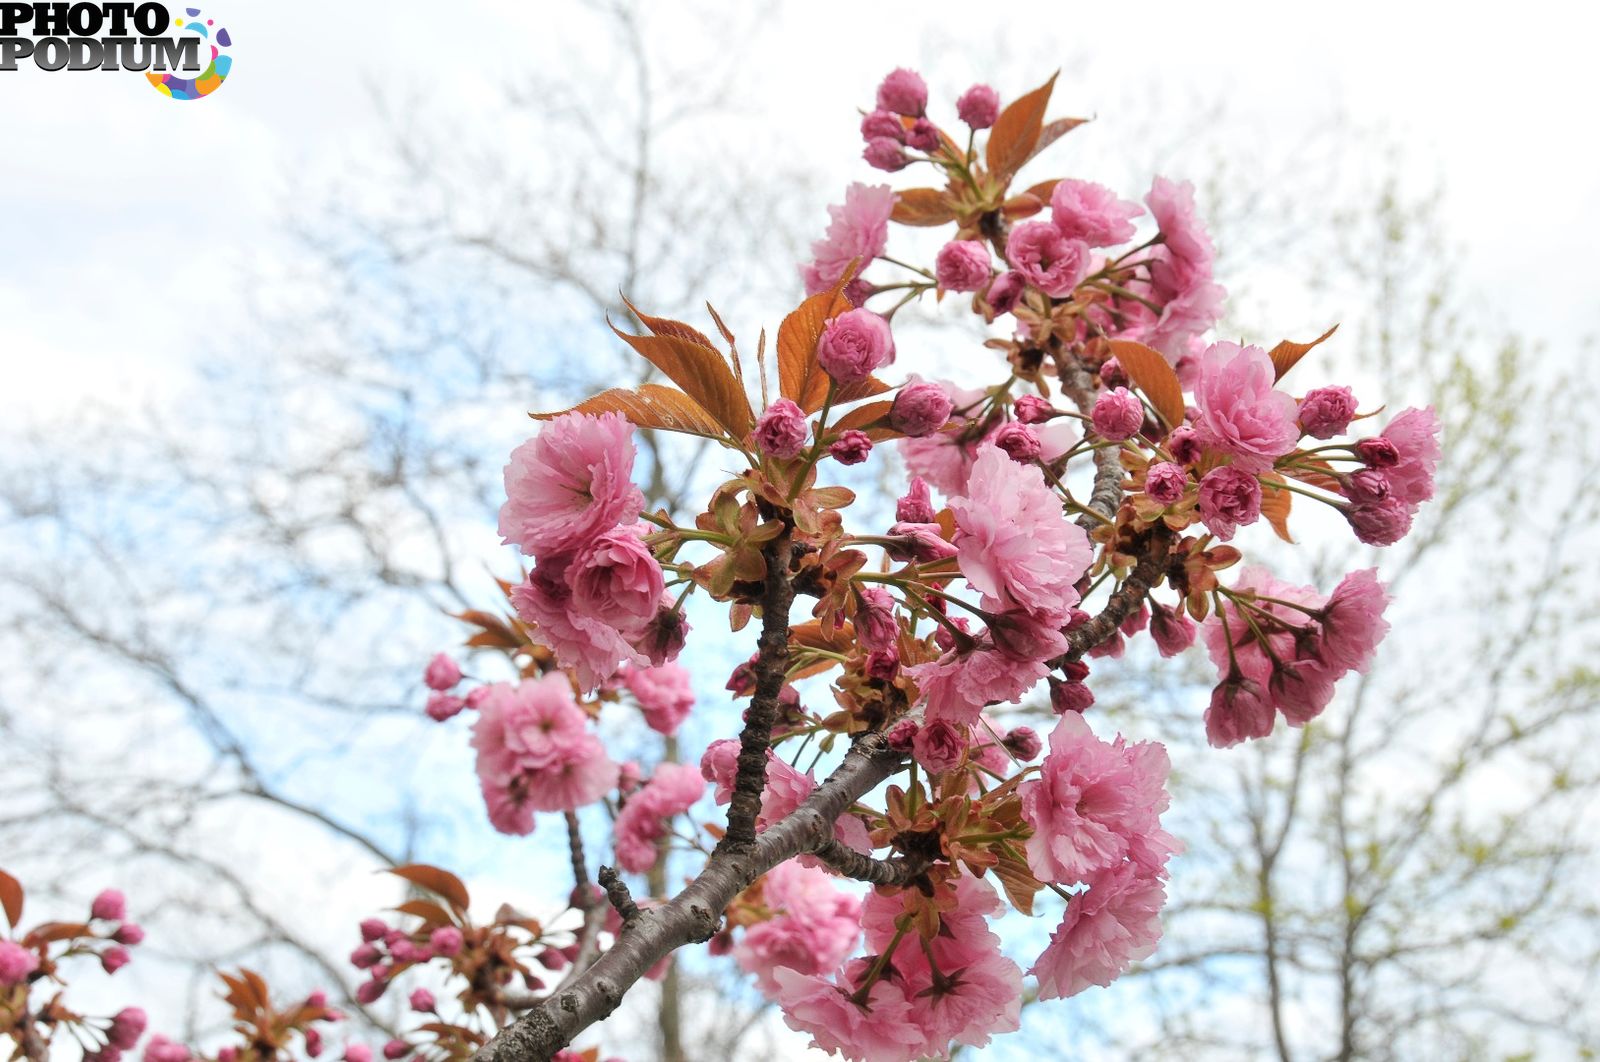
(1240, 411)
(962, 265)
(1051, 262)
(853, 345)
(814, 926)
(16, 963)
(535, 753)
(940, 746)
(979, 106)
(958, 684)
(1094, 804)
(665, 695)
(1084, 210)
(672, 790)
(1415, 435)
(903, 92)
(781, 432)
(615, 581)
(1326, 411)
(1352, 621)
(878, 1031)
(442, 673)
(1115, 923)
(1117, 414)
(1014, 543)
(1239, 710)
(858, 230)
(570, 483)
(1229, 499)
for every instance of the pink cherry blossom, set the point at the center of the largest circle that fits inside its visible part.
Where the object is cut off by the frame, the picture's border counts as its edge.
(570, 483)
(1115, 923)
(1380, 523)
(1014, 543)
(1326, 411)
(958, 684)
(665, 695)
(1172, 630)
(979, 106)
(916, 506)
(16, 963)
(814, 926)
(536, 753)
(1084, 210)
(880, 1031)
(886, 154)
(854, 345)
(1094, 804)
(940, 746)
(1051, 262)
(1415, 435)
(616, 581)
(782, 431)
(858, 229)
(442, 673)
(874, 620)
(1117, 414)
(1230, 498)
(1240, 411)
(1352, 621)
(786, 790)
(962, 265)
(1005, 291)
(1018, 441)
(903, 92)
(593, 649)
(672, 790)
(1166, 483)
(851, 447)
(920, 408)
(1239, 710)
(109, 905)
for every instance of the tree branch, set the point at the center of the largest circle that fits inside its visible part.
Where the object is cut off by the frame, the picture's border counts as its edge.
(694, 914)
(897, 871)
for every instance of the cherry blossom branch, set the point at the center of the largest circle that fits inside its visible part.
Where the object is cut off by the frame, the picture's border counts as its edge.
(617, 892)
(771, 666)
(1124, 601)
(694, 914)
(1106, 494)
(896, 871)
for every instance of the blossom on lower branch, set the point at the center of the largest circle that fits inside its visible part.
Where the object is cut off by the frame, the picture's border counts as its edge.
(537, 753)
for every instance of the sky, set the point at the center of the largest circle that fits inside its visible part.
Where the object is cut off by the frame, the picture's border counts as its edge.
(135, 220)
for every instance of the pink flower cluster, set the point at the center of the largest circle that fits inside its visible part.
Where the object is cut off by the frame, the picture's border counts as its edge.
(1283, 649)
(595, 593)
(642, 822)
(1017, 548)
(813, 926)
(1096, 811)
(958, 989)
(537, 753)
(1397, 477)
(858, 231)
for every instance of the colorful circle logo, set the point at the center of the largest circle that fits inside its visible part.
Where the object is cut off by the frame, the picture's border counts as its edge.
(212, 77)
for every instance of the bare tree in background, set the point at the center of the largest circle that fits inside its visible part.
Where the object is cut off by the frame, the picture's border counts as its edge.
(221, 603)
(1411, 875)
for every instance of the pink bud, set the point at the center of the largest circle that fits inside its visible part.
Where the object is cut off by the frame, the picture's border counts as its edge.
(879, 124)
(317, 1000)
(1020, 442)
(422, 1001)
(1378, 452)
(939, 746)
(1024, 743)
(1184, 445)
(882, 664)
(921, 408)
(16, 963)
(442, 673)
(373, 929)
(1031, 409)
(357, 1053)
(129, 933)
(114, 959)
(923, 135)
(110, 905)
(396, 1049)
(916, 507)
(313, 1040)
(1006, 291)
(1327, 411)
(365, 957)
(854, 345)
(370, 992)
(781, 432)
(1166, 483)
(979, 106)
(1069, 696)
(442, 706)
(127, 1025)
(883, 153)
(962, 265)
(903, 92)
(1117, 414)
(851, 447)
(446, 940)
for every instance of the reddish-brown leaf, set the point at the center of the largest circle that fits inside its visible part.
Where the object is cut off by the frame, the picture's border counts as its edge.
(426, 910)
(50, 932)
(1285, 354)
(703, 375)
(1016, 132)
(922, 207)
(258, 987)
(665, 326)
(11, 896)
(1052, 132)
(439, 882)
(800, 378)
(1150, 373)
(864, 417)
(1275, 504)
(651, 406)
(1017, 880)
